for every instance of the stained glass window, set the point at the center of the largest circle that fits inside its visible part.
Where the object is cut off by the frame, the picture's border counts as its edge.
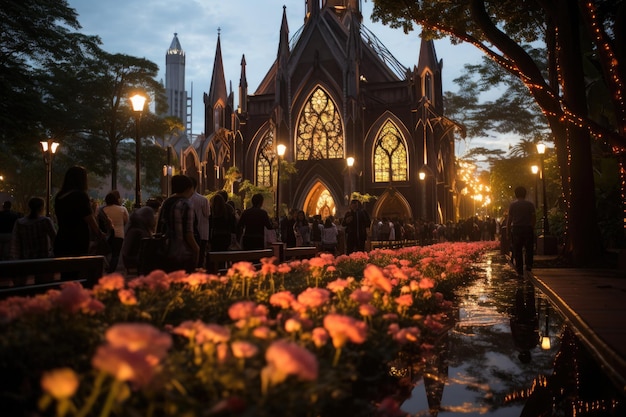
(390, 154)
(320, 135)
(265, 159)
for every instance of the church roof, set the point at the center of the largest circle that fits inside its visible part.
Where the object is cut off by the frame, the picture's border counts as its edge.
(334, 30)
(175, 47)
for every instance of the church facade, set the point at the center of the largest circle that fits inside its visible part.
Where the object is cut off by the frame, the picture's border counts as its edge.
(350, 117)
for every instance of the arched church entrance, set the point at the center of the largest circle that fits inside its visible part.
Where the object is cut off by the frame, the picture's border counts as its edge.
(393, 205)
(319, 201)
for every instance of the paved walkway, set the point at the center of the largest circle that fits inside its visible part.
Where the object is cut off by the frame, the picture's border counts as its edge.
(593, 301)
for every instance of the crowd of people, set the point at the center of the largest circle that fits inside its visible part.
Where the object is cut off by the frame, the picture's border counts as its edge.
(187, 226)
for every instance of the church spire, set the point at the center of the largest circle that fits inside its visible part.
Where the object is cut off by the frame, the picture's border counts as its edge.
(243, 88)
(282, 61)
(216, 101)
(217, 91)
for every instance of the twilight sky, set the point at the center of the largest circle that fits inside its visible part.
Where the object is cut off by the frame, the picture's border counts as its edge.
(145, 28)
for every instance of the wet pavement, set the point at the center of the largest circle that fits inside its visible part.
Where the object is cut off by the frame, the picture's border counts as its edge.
(491, 362)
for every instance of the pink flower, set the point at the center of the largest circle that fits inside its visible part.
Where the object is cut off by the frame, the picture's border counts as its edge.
(110, 282)
(338, 285)
(361, 296)
(320, 336)
(137, 337)
(286, 358)
(426, 283)
(127, 297)
(268, 266)
(124, 365)
(211, 333)
(243, 310)
(407, 335)
(367, 310)
(243, 349)
(243, 269)
(319, 262)
(282, 299)
(292, 326)
(314, 297)
(263, 332)
(157, 280)
(74, 298)
(374, 276)
(344, 328)
(60, 383)
(196, 279)
(284, 269)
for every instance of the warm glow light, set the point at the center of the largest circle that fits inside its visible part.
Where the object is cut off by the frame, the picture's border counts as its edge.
(350, 161)
(49, 145)
(138, 102)
(534, 169)
(545, 343)
(422, 175)
(541, 148)
(281, 149)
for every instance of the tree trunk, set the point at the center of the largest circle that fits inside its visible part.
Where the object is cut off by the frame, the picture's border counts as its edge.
(583, 236)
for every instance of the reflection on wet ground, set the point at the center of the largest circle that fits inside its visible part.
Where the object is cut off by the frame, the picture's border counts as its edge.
(508, 353)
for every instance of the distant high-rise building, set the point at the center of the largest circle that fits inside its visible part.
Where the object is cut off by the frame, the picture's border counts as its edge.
(177, 100)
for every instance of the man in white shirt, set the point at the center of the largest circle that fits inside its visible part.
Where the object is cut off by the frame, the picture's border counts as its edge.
(202, 210)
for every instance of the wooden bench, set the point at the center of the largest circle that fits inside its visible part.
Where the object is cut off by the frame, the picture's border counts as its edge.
(282, 254)
(28, 274)
(393, 244)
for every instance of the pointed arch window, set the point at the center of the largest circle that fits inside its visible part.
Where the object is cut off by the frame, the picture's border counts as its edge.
(428, 86)
(320, 133)
(265, 159)
(390, 155)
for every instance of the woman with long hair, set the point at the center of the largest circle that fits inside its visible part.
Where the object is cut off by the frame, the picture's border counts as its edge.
(75, 216)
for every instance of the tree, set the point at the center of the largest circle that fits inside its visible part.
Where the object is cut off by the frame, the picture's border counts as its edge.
(570, 30)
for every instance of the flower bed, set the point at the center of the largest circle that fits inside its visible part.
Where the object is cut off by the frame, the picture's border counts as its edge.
(305, 338)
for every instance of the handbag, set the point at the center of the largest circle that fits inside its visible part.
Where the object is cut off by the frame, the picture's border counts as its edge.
(153, 253)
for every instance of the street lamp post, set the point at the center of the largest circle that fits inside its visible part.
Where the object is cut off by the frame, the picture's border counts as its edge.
(49, 148)
(138, 102)
(350, 163)
(541, 149)
(422, 177)
(280, 151)
(535, 170)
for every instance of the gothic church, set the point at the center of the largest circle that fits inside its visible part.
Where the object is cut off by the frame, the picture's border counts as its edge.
(351, 118)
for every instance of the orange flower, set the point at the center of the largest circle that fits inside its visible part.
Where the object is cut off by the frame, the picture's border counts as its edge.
(243, 349)
(374, 276)
(314, 297)
(127, 297)
(110, 282)
(139, 337)
(60, 383)
(282, 299)
(345, 328)
(286, 358)
(338, 285)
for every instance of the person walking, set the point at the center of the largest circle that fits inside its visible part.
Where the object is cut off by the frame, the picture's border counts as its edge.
(140, 225)
(222, 224)
(176, 219)
(520, 225)
(32, 238)
(75, 216)
(202, 211)
(8, 218)
(356, 222)
(302, 229)
(287, 232)
(329, 234)
(33, 234)
(250, 228)
(118, 216)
